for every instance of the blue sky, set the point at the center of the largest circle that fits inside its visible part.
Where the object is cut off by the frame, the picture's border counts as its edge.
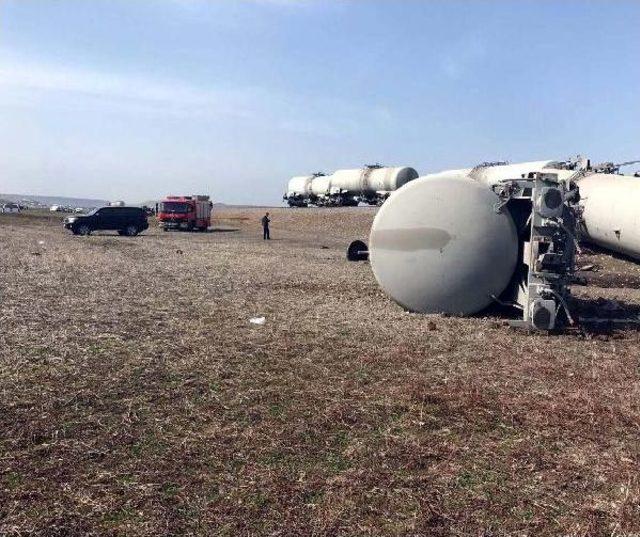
(124, 99)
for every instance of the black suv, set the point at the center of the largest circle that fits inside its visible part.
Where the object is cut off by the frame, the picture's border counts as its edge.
(125, 220)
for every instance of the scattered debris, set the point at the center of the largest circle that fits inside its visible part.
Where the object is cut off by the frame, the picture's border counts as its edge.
(589, 268)
(257, 320)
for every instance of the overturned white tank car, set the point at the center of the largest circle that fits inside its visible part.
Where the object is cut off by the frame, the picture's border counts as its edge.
(610, 217)
(609, 199)
(456, 241)
(371, 185)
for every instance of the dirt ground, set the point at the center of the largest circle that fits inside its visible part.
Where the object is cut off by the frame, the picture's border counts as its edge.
(136, 398)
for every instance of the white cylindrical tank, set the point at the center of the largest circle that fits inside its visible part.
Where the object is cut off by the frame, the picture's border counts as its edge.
(438, 246)
(390, 179)
(369, 180)
(320, 185)
(490, 175)
(611, 217)
(300, 185)
(460, 174)
(347, 180)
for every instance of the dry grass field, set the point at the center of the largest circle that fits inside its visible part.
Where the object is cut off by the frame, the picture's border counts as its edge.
(137, 399)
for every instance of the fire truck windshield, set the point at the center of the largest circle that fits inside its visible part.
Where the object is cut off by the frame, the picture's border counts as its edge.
(174, 207)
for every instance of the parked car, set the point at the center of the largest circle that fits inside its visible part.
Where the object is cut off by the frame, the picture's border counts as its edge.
(125, 220)
(10, 208)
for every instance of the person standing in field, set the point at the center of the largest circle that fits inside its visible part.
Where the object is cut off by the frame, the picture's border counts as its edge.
(265, 227)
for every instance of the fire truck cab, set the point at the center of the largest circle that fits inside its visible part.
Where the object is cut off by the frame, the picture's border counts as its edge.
(188, 213)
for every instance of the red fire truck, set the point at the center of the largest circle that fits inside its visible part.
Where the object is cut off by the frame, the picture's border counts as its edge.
(185, 212)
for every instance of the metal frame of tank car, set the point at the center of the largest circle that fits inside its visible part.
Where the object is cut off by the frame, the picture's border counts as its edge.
(545, 210)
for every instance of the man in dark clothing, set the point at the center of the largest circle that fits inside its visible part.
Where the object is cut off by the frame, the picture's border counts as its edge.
(265, 227)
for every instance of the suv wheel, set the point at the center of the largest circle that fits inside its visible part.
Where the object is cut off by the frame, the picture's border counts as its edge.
(84, 229)
(131, 231)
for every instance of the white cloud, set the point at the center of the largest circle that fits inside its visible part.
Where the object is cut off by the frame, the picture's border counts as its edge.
(322, 116)
(119, 87)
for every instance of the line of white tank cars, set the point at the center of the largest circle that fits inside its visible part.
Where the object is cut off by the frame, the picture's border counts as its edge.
(371, 185)
(458, 241)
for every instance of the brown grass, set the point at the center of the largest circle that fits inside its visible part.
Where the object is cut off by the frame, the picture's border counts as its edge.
(137, 399)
